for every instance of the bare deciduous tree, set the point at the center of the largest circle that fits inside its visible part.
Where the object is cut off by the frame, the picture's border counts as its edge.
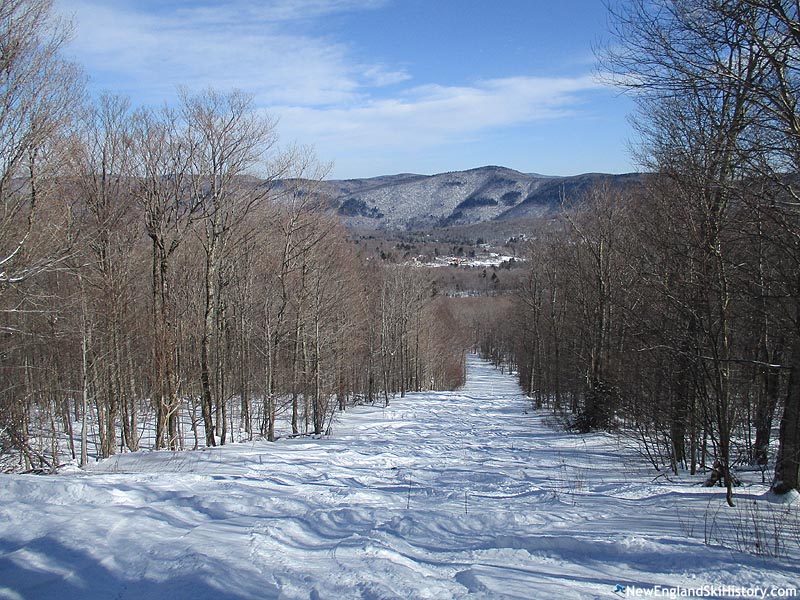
(40, 94)
(228, 140)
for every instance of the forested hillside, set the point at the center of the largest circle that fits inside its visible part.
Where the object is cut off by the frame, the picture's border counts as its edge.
(153, 294)
(673, 314)
(482, 195)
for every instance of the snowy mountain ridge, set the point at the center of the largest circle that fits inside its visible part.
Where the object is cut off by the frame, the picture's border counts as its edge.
(408, 201)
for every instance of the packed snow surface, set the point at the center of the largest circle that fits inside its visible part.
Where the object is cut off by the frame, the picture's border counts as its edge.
(467, 494)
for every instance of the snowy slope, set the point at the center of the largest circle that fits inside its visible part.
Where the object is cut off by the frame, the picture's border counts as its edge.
(465, 494)
(412, 202)
(418, 201)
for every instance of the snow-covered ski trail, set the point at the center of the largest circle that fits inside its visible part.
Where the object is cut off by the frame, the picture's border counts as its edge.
(466, 494)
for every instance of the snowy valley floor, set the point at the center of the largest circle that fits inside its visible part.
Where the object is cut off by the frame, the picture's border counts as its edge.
(466, 494)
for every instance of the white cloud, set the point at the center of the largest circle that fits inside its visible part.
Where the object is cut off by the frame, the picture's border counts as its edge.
(242, 43)
(243, 12)
(318, 86)
(380, 76)
(435, 114)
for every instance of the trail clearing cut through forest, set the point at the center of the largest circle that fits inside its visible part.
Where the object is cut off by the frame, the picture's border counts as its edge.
(466, 494)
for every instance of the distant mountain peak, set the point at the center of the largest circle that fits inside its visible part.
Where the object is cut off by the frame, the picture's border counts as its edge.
(408, 201)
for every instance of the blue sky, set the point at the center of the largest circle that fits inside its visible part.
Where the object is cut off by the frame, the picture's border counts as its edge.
(379, 86)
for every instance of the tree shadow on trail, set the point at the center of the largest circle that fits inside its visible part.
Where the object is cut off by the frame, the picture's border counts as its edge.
(45, 569)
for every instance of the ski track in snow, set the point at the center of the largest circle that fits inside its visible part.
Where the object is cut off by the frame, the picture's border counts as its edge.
(465, 494)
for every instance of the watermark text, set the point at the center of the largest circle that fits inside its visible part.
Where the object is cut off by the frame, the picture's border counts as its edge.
(706, 591)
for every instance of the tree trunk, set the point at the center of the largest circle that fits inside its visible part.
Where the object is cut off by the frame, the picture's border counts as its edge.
(787, 466)
(209, 325)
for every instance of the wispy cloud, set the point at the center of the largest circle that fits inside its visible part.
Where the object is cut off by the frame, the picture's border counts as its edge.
(252, 12)
(435, 114)
(242, 43)
(319, 85)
